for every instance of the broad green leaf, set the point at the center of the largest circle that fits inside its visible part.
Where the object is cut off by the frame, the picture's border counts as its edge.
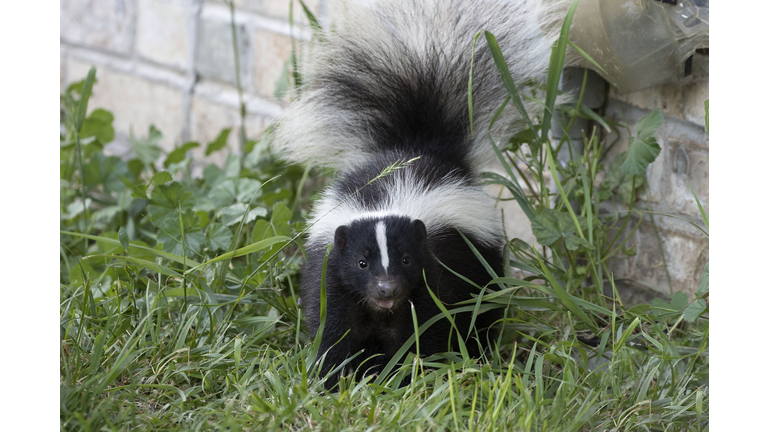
(219, 143)
(169, 234)
(679, 301)
(232, 166)
(224, 193)
(108, 247)
(573, 242)
(219, 236)
(204, 217)
(148, 149)
(546, 227)
(281, 215)
(694, 310)
(106, 171)
(643, 149)
(249, 145)
(277, 226)
(75, 208)
(179, 153)
(140, 191)
(136, 166)
(166, 200)
(161, 177)
(248, 190)
(99, 125)
(234, 213)
(122, 236)
(615, 176)
(213, 175)
(550, 225)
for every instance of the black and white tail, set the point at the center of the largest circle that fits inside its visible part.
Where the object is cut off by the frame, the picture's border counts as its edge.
(396, 76)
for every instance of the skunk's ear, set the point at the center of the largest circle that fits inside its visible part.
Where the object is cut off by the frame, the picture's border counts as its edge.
(420, 230)
(340, 238)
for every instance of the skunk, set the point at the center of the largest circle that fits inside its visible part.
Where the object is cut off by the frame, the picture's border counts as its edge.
(390, 84)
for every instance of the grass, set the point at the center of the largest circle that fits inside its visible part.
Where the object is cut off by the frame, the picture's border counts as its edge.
(179, 306)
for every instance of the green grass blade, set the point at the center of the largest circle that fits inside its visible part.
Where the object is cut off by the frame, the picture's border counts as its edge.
(469, 90)
(704, 216)
(563, 195)
(82, 107)
(447, 315)
(506, 77)
(259, 245)
(564, 297)
(157, 268)
(586, 56)
(556, 62)
(115, 242)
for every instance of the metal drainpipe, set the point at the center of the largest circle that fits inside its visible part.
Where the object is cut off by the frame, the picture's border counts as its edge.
(594, 97)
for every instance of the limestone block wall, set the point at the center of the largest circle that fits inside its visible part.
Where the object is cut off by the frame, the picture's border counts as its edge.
(681, 170)
(170, 63)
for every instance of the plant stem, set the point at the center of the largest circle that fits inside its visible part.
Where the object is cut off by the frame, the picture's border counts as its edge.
(241, 134)
(82, 190)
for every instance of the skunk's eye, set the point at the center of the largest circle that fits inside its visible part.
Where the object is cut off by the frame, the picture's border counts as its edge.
(362, 264)
(406, 260)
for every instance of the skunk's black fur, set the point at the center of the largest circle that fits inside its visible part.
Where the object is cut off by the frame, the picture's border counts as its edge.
(390, 84)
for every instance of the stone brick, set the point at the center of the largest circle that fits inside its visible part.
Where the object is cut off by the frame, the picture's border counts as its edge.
(700, 71)
(270, 53)
(673, 99)
(62, 70)
(697, 93)
(337, 8)
(668, 98)
(686, 166)
(278, 8)
(215, 54)
(516, 223)
(685, 256)
(135, 102)
(163, 31)
(105, 24)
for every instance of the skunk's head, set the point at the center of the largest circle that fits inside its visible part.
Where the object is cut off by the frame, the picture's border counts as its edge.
(382, 259)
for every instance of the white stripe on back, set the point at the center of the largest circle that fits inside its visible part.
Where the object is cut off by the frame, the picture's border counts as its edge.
(450, 204)
(381, 239)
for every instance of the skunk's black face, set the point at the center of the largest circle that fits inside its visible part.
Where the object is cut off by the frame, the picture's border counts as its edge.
(382, 259)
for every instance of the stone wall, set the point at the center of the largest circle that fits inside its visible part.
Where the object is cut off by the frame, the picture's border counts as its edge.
(681, 170)
(170, 63)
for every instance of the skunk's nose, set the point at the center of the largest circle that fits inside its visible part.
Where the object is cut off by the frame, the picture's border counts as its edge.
(387, 288)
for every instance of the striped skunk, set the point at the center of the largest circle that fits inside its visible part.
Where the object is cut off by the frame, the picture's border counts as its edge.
(389, 84)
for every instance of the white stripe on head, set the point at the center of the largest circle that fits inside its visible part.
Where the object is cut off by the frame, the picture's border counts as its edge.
(381, 239)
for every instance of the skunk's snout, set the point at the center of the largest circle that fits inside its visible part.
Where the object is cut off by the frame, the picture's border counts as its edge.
(387, 288)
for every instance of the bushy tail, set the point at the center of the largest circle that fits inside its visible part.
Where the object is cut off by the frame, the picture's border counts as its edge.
(396, 75)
